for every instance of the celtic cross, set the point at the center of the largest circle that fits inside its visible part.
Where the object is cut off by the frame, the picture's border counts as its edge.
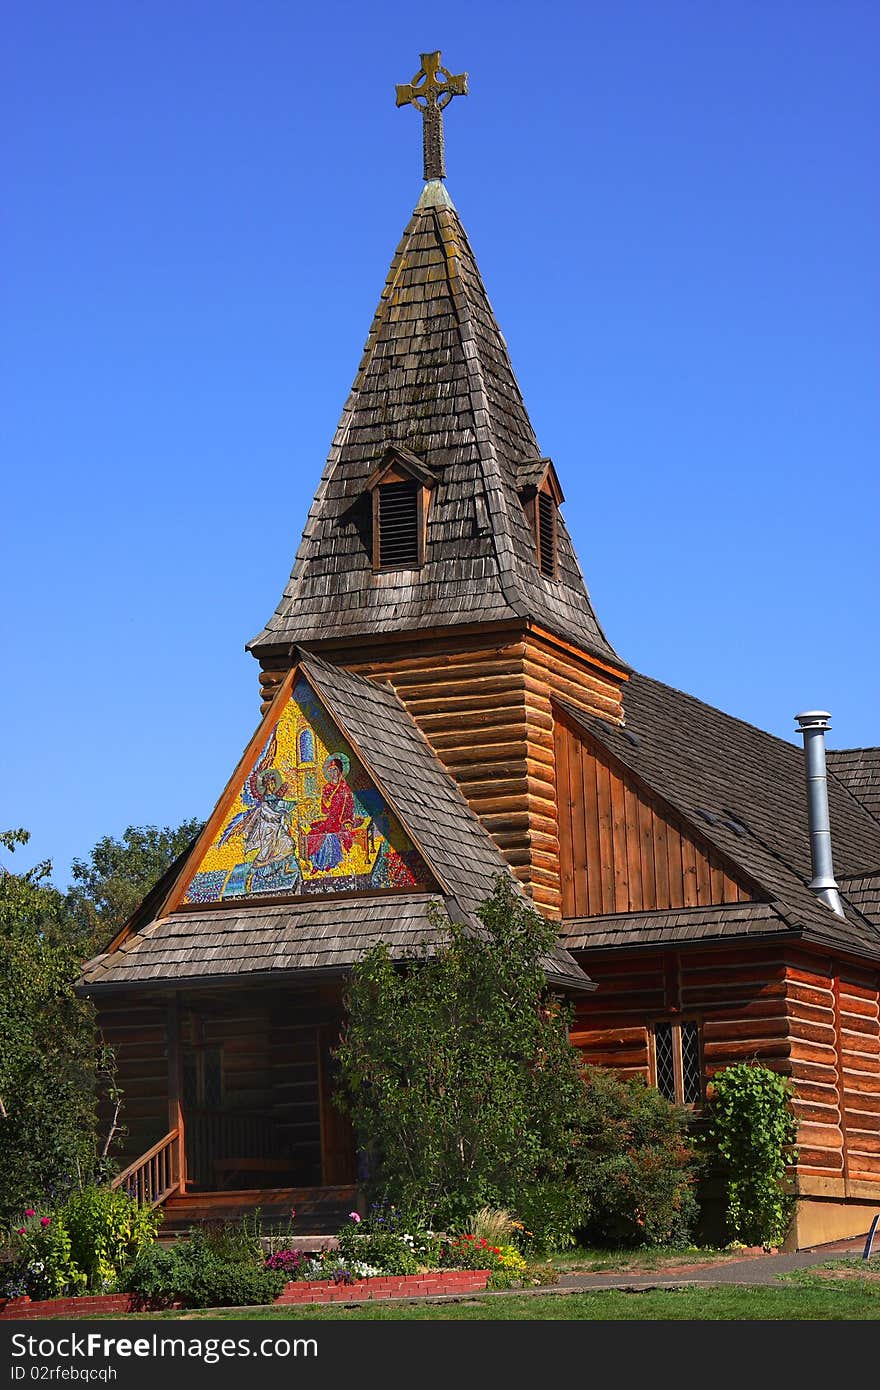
(431, 94)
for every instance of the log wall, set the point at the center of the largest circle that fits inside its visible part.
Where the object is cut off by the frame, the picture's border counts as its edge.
(138, 1033)
(485, 708)
(797, 1012)
(621, 849)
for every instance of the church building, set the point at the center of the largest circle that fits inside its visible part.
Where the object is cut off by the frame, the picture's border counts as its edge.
(439, 705)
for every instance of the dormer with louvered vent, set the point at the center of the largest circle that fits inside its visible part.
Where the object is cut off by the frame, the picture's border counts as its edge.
(541, 496)
(401, 490)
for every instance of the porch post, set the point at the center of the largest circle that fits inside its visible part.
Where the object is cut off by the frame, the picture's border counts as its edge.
(175, 1089)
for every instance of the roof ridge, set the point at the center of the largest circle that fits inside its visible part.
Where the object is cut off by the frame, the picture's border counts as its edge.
(713, 709)
(479, 400)
(865, 748)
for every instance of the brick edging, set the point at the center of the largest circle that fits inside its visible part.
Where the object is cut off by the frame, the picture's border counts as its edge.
(435, 1281)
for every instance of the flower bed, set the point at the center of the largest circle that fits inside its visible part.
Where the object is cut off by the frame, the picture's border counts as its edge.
(441, 1281)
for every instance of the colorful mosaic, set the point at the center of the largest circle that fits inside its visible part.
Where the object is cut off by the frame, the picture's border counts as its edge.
(307, 820)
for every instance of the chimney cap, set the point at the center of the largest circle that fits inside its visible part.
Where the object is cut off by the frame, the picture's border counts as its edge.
(814, 719)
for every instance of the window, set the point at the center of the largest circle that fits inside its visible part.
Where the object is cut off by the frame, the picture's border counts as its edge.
(546, 518)
(677, 1071)
(202, 1078)
(396, 517)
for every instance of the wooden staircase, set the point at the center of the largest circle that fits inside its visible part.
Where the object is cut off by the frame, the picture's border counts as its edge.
(320, 1211)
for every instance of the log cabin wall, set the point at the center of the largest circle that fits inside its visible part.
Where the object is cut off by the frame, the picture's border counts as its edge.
(834, 1014)
(621, 849)
(485, 708)
(804, 1016)
(137, 1032)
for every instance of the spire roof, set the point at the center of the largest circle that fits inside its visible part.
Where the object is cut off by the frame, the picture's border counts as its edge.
(435, 379)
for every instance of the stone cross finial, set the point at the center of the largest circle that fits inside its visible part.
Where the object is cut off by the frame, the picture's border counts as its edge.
(430, 94)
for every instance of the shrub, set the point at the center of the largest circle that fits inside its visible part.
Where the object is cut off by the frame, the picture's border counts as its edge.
(551, 1214)
(43, 1265)
(190, 1273)
(458, 1072)
(389, 1241)
(752, 1130)
(108, 1230)
(639, 1168)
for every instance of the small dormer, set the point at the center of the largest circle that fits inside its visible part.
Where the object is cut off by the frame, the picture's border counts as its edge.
(401, 490)
(541, 496)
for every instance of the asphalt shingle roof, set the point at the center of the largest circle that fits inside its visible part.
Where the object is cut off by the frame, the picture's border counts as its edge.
(859, 770)
(743, 791)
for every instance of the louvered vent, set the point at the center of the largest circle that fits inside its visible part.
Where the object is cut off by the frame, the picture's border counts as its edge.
(398, 525)
(547, 535)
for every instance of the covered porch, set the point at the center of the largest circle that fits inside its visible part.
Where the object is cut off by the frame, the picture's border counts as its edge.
(228, 1102)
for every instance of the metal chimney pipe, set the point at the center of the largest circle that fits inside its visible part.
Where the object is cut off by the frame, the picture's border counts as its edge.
(813, 724)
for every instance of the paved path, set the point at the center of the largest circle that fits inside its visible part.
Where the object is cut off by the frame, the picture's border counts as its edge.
(757, 1269)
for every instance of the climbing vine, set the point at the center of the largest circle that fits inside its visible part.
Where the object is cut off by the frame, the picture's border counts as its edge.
(751, 1127)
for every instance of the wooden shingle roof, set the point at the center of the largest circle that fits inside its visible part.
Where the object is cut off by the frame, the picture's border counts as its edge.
(743, 791)
(251, 938)
(436, 380)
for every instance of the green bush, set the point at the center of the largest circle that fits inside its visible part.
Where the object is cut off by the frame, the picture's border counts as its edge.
(752, 1131)
(458, 1071)
(389, 1239)
(108, 1230)
(638, 1165)
(466, 1091)
(43, 1265)
(81, 1246)
(190, 1273)
(551, 1213)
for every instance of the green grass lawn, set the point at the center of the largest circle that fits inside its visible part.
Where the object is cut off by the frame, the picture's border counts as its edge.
(809, 1298)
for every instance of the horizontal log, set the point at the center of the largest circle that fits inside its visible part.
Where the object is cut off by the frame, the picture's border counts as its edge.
(850, 1007)
(617, 1036)
(717, 1030)
(819, 1160)
(614, 1057)
(864, 987)
(732, 976)
(807, 977)
(480, 748)
(803, 1051)
(754, 1047)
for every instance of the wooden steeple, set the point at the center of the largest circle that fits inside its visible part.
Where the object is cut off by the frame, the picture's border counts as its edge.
(435, 555)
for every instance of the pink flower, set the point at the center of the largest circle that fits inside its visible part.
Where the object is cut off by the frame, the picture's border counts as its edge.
(21, 1231)
(30, 1212)
(45, 1221)
(355, 1216)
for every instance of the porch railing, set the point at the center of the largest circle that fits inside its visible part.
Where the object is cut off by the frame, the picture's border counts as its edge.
(152, 1178)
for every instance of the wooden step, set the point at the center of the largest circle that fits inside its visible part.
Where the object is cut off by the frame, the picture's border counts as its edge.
(320, 1211)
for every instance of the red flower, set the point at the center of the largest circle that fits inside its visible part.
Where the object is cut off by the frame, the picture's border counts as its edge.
(30, 1212)
(45, 1221)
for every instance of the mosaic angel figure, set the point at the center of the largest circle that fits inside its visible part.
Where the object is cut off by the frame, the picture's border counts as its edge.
(266, 822)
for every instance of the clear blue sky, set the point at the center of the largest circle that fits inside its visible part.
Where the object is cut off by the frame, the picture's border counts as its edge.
(673, 206)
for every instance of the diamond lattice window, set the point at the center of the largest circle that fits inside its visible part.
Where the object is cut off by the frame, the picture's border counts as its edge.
(677, 1069)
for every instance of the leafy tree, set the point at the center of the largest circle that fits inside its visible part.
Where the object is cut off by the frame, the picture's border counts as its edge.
(118, 874)
(465, 1089)
(52, 1066)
